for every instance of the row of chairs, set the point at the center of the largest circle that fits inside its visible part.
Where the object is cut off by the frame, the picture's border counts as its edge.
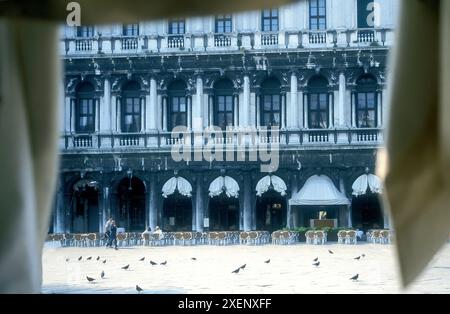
(285, 237)
(379, 236)
(347, 237)
(254, 237)
(316, 237)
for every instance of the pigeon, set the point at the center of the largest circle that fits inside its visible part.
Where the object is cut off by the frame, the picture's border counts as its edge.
(267, 262)
(364, 255)
(316, 259)
(79, 258)
(67, 260)
(355, 278)
(90, 279)
(357, 258)
(243, 266)
(139, 289)
(104, 262)
(163, 263)
(102, 275)
(98, 258)
(193, 258)
(330, 251)
(153, 263)
(236, 271)
(142, 259)
(126, 267)
(89, 258)
(316, 264)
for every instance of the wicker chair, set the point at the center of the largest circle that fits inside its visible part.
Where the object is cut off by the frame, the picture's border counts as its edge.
(375, 236)
(320, 237)
(243, 237)
(342, 236)
(188, 238)
(145, 239)
(178, 238)
(276, 237)
(310, 238)
(90, 239)
(253, 237)
(385, 237)
(121, 239)
(351, 237)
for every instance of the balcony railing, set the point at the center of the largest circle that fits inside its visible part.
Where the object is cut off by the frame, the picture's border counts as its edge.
(222, 40)
(129, 43)
(269, 39)
(83, 45)
(176, 41)
(234, 41)
(164, 140)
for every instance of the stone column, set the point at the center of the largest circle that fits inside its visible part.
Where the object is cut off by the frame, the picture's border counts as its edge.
(60, 210)
(153, 203)
(341, 100)
(331, 109)
(245, 111)
(164, 112)
(283, 111)
(197, 116)
(189, 112)
(236, 109)
(379, 109)
(247, 202)
(290, 214)
(72, 115)
(152, 116)
(211, 109)
(106, 207)
(105, 109)
(353, 110)
(345, 217)
(258, 109)
(292, 107)
(199, 213)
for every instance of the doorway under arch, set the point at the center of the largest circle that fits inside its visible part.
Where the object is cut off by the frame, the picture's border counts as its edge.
(131, 204)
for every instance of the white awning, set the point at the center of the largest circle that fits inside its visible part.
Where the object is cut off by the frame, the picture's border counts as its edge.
(177, 183)
(85, 183)
(224, 184)
(319, 191)
(367, 182)
(265, 183)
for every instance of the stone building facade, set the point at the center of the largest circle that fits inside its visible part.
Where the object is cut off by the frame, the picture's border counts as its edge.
(314, 70)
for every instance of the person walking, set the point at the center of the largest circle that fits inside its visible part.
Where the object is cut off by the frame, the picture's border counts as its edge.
(113, 235)
(108, 230)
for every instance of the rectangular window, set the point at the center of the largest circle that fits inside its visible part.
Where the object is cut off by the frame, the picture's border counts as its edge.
(131, 115)
(178, 112)
(271, 111)
(224, 111)
(223, 24)
(86, 116)
(85, 31)
(177, 27)
(366, 110)
(270, 20)
(130, 29)
(317, 14)
(318, 111)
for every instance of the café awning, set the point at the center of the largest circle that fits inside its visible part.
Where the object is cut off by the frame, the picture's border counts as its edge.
(177, 184)
(226, 185)
(365, 183)
(319, 191)
(271, 181)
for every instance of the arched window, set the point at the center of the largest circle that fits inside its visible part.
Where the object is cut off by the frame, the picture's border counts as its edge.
(366, 102)
(178, 111)
(85, 109)
(131, 107)
(271, 103)
(318, 103)
(223, 104)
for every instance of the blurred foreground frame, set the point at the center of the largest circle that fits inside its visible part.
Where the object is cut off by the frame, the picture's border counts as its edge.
(418, 147)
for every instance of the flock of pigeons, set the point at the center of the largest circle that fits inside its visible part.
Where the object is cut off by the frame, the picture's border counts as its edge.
(236, 271)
